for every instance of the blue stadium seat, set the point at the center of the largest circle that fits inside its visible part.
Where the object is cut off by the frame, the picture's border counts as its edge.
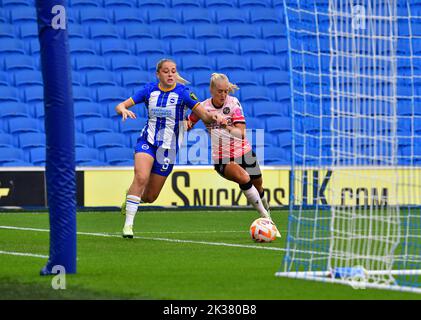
(128, 16)
(184, 46)
(196, 63)
(12, 110)
(11, 46)
(100, 78)
(171, 31)
(280, 46)
(81, 140)
(81, 47)
(76, 31)
(33, 47)
(244, 78)
(34, 94)
(273, 32)
(276, 78)
(124, 63)
(95, 125)
(267, 62)
(234, 15)
(201, 78)
(133, 139)
(6, 140)
(185, 4)
(119, 156)
(132, 125)
(8, 94)
(254, 46)
(85, 3)
(254, 3)
(278, 124)
(162, 16)
(78, 78)
(275, 155)
(10, 155)
(219, 46)
(28, 78)
(219, 4)
(265, 15)
(111, 94)
(113, 47)
(103, 31)
(81, 94)
(87, 110)
(16, 4)
(117, 4)
(104, 140)
(20, 125)
(4, 79)
(252, 94)
(229, 62)
(4, 18)
(19, 62)
(284, 139)
(265, 109)
(85, 156)
(207, 31)
(152, 59)
(150, 46)
(38, 111)
(254, 123)
(141, 31)
(94, 15)
(197, 16)
(23, 15)
(151, 4)
(89, 63)
(242, 31)
(28, 31)
(7, 31)
(135, 78)
(31, 140)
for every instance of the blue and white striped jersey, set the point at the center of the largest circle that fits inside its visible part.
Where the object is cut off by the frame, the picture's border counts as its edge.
(166, 112)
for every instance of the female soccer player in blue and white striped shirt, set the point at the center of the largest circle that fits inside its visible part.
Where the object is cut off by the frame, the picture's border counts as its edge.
(167, 102)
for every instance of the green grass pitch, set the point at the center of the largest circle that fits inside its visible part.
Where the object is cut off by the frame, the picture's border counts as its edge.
(175, 255)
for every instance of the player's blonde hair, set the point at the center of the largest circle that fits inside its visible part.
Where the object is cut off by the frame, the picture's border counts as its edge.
(220, 76)
(178, 78)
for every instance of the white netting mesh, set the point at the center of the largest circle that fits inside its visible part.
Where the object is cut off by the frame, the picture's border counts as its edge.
(356, 151)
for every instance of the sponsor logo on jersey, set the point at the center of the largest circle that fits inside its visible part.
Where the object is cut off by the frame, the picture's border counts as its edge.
(193, 96)
(160, 112)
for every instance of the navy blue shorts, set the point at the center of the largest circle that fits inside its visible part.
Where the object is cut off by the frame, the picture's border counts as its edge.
(164, 158)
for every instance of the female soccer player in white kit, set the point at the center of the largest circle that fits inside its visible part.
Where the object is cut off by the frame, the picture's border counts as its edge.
(232, 154)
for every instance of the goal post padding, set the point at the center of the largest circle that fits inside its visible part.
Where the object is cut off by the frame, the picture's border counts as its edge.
(59, 129)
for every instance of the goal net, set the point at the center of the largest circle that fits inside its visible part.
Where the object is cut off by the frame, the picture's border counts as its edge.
(355, 193)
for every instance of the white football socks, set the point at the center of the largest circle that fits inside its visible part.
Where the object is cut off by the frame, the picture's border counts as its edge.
(265, 203)
(132, 202)
(253, 197)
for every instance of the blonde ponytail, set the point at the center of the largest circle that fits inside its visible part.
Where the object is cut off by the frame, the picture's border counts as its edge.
(220, 76)
(178, 78)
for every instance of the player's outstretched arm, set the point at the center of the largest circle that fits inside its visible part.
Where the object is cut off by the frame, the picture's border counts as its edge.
(207, 117)
(123, 109)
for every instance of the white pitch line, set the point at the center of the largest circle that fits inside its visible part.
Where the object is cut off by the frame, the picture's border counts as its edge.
(24, 254)
(107, 235)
